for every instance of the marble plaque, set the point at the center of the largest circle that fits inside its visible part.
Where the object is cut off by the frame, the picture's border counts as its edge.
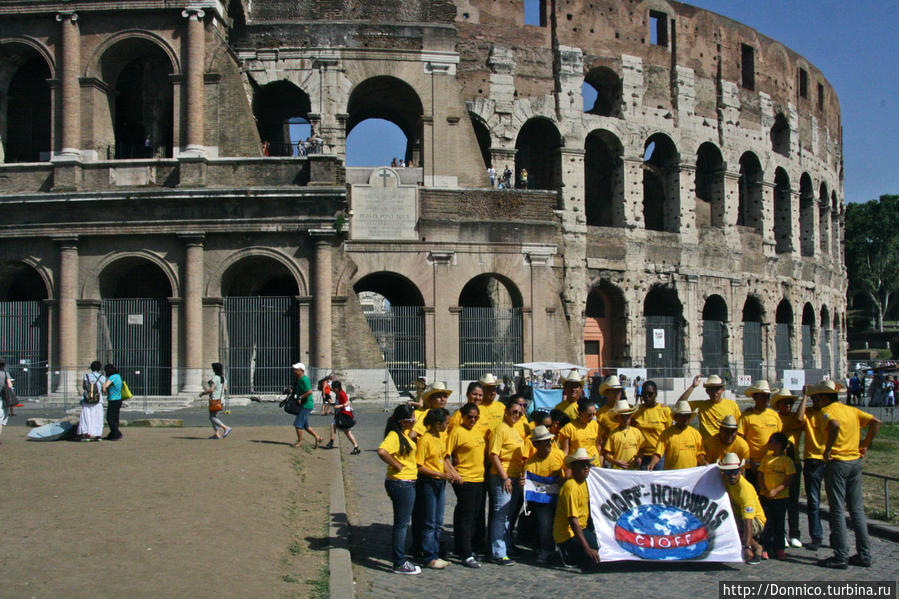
(384, 209)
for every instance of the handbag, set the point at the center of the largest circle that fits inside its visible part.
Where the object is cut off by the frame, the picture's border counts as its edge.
(9, 399)
(126, 392)
(291, 405)
(215, 405)
(344, 421)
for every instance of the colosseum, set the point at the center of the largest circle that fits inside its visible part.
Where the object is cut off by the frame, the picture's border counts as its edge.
(682, 210)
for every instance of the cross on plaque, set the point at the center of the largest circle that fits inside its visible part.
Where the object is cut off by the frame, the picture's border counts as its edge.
(385, 174)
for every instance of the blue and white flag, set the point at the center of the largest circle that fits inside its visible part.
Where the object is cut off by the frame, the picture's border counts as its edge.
(540, 489)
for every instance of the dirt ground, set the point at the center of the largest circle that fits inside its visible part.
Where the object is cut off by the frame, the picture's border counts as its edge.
(164, 513)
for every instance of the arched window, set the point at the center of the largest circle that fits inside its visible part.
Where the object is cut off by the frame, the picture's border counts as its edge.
(753, 339)
(661, 185)
(751, 197)
(538, 151)
(24, 327)
(826, 340)
(709, 184)
(604, 327)
(714, 338)
(783, 335)
(602, 92)
(806, 216)
(780, 135)
(387, 99)
(282, 117)
(490, 327)
(604, 180)
(482, 134)
(824, 219)
(25, 126)
(664, 333)
(808, 336)
(783, 228)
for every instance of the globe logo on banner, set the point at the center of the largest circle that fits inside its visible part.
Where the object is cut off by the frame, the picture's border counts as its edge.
(661, 532)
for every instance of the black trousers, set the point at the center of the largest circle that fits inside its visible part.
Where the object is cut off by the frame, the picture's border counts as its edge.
(469, 499)
(775, 512)
(112, 419)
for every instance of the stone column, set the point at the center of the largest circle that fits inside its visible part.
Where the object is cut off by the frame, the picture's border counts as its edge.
(196, 43)
(71, 88)
(321, 302)
(632, 199)
(193, 313)
(68, 312)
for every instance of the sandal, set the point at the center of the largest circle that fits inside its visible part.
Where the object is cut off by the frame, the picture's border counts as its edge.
(356, 451)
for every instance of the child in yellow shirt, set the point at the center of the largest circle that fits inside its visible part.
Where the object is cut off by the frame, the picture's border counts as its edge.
(777, 471)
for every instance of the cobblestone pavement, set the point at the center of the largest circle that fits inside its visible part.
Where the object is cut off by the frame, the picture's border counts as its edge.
(371, 515)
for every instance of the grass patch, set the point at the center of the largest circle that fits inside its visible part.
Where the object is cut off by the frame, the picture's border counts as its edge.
(320, 586)
(289, 579)
(295, 548)
(888, 431)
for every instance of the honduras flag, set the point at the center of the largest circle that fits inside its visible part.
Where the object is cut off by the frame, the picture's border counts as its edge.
(540, 489)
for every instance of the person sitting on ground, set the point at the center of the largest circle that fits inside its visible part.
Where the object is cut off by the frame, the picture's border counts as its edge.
(725, 441)
(342, 411)
(622, 448)
(776, 472)
(745, 504)
(576, 542)
(711, 411)
(652, 418)
(680, 445)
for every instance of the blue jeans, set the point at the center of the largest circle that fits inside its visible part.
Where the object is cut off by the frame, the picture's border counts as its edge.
(544, 513)
(644, 463)
(402, 494)
(843, 481)
(813, 473)
(501, 504)
(431, 494)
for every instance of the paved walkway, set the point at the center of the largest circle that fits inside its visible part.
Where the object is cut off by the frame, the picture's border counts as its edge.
(371, 515)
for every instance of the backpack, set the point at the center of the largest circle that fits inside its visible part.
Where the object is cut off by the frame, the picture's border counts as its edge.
(93, 392)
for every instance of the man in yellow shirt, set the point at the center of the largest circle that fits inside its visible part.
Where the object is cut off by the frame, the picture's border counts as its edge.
(681, 444)
(572, 390)
(843, 474)
(813, 465)
(611, 390)
(652, 418)
(622, 448)
(756, 426)
(789, 425)
(725, 441)
(746, 506)
(492, 409)
(576, 542)
(711, 411)
(545, 471)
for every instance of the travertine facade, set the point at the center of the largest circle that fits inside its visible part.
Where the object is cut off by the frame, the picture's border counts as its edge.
(701, 191)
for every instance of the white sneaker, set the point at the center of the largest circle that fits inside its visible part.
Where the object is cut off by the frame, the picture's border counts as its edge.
(407, 568)
(794, 542)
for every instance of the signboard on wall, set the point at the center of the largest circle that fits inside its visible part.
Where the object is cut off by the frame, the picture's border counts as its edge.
(744, 380)
(658, 339)
(794, 380)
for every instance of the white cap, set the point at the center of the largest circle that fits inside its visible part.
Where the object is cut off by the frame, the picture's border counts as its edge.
(299, 366)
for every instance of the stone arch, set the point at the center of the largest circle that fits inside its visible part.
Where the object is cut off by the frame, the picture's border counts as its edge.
(783, 221)
(90, 288)
(24, 324)
(214, 284)
(806, 216)
(751, 197)
(753, 317)
(258, 275)
(25, 101)
(397, 289)
(714, 336)
(394, 100)
(823, 219)
(661, 184)
(538, 150)
(21, 280)
(709, 186)
(783, 336)
(780, 135)
(276, 105)
(835, 232)
(134, 276)
(482, 134)
(485, 290)
(490, 326)
(607, 85)
(95, 68)
(808, 332)
(663, 314)
(604, 179)
(605, 326)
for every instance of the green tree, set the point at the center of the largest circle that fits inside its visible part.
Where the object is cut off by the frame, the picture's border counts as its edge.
(872, 251)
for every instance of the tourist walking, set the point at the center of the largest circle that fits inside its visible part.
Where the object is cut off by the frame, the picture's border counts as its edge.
(5, 381)
(398, 451)
(113, 390)
(344, 418)
(90, 426)
(215, 389)
(301, 390)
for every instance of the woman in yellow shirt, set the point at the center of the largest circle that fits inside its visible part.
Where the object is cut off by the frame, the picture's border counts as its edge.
(397, 450)
(465, 452)
(777, 471)
(583, 432)
(506, 460)
(652, 418)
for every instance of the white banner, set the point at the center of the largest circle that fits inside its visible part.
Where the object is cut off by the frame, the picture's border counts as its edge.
(665, 515)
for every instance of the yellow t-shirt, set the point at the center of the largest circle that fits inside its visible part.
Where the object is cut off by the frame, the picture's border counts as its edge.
(492, 415)
(456, 420)
(581, 435)
(776, 469)
(391, 444)
(712, 413)
(523, 427)
(431, 451)
(467, 447)
(651, 422)
(551, 465)
(851, 420)
(574, 501)
(608, 423)
(419, 427)
(569, 407)
(745, 501)
(789, 425)
(757, 427)
(815, 435)
(624, 444)
(680, 448)
(714, 448)
(508, 445)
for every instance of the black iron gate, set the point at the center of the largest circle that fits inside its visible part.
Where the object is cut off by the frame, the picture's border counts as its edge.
(826, 364)
(23, 345)
(663, 351)
(135, 334)
(489, 341)
(783, 359)
(752, 350)
(714, 354)
(400, 333)
(808, 359)
(260, 340)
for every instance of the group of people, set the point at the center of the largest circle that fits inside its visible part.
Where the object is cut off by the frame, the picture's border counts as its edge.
(882, 390)
(300, 389)
(505, 178)
(402, 163)
(101, 382)
(490, 452)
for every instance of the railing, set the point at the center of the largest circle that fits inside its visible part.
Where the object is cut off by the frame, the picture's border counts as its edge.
(886, 491)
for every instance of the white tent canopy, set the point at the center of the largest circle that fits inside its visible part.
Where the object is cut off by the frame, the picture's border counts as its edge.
(565, 366)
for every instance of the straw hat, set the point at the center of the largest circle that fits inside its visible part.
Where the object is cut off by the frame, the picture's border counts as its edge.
(730, 461)
(580, 455)
(488, 380)
(574, 376)
(622, 407)
(434, 388)
(760, 387)
(779, 394)
(825, 388)
(541, 433)
(713, 381)
(610, 382)
(682, 407)
(728, 422)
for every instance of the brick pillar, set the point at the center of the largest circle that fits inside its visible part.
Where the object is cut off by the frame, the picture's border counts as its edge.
(321, 302)
(71, 88)
(68, 312)
(196, 43)
(193, 313)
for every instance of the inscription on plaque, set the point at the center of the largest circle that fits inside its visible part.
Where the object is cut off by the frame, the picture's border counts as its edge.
(384, 209)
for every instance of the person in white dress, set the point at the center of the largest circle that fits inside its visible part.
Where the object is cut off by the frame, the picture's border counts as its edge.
(90, 427)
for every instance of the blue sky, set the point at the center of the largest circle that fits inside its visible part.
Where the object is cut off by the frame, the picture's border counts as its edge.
(854, 43)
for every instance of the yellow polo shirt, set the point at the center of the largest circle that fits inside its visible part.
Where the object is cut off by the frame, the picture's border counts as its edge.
(551, 465)
(581, 435)
(467, 447)
(776, 469)
(757, 427)
(680, 448)
(851, 420)
(569, 407)
(508, 445)
(492, 414)
(714, 448)
(574, 501)
(419, 427)
(624, 444)
(430, 451)
(651, 422)
(745, 501)
(815, 435)
(711, 414)
(391, 444)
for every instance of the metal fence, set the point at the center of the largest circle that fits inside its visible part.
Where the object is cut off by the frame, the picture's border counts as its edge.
(663, 347)
(400, 334)
(135, 334)
(713, 350)
(490, 340)
(23, 344)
